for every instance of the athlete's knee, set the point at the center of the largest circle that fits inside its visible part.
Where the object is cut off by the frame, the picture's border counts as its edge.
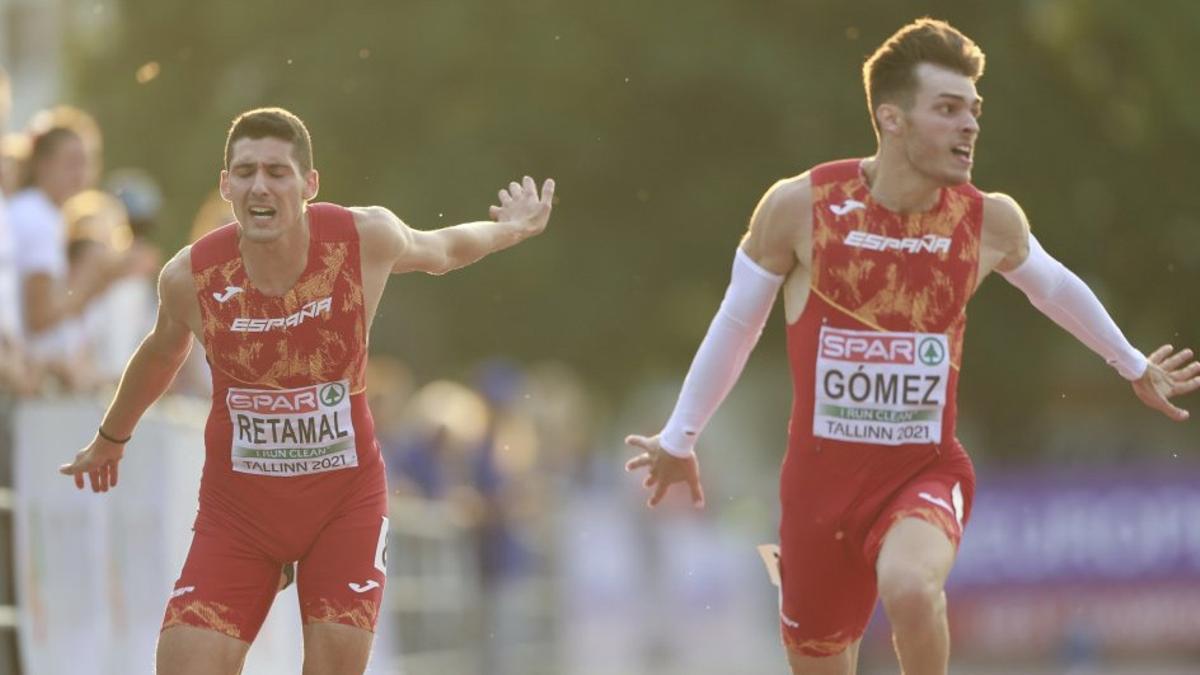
(335, 648)
(187, 650)
(839, 663)
(910, 591)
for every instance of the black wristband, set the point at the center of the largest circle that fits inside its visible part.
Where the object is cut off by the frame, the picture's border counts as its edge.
(110, 439)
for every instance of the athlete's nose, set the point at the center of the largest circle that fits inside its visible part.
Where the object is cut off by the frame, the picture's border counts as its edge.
(259, 186)
(971, 125)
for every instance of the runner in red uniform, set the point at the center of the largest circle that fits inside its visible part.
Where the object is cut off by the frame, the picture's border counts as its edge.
(878, 258)
(282, 300)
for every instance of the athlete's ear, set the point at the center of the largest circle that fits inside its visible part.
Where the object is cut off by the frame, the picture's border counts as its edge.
(223, 185)
(890, 118)
(312, 184)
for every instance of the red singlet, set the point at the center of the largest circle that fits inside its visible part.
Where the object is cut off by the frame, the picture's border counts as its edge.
(875, 358)
(292, 470)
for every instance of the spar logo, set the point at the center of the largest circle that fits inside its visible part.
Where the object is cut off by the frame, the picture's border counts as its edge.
(900, 349)
(931, 351)
(276, 402)
(332, 394)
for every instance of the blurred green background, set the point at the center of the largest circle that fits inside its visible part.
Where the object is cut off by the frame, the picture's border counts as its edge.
(663, 123)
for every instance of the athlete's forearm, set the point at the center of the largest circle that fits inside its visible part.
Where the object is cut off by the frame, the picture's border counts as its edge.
(718, 363)
(469, 242)
(149, 372)
(1061, 295)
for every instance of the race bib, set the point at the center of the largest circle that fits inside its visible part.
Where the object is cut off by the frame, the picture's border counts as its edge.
(292, 432)
(880, 388)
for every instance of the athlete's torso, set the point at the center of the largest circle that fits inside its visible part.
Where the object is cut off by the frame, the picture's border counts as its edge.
(289, 426)
(876, 351)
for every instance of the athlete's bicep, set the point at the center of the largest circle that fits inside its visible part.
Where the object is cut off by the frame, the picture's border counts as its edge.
(387, 240)
(776, 226)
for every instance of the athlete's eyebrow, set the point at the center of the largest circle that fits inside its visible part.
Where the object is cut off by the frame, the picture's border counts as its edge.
(269, 165)
(977, 101)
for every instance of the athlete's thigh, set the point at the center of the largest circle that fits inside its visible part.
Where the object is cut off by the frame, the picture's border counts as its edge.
(341, 578)
(185, 650)
(914, 549)
(940, 496)
(827, 589)
(844, 663)
(226, 586)
(336, 648)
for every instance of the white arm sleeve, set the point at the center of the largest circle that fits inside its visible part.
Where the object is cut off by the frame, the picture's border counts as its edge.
(723, 352)
(1061, 295)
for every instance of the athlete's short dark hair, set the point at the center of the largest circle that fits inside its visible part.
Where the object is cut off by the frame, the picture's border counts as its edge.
(272, 123)
(890, 74)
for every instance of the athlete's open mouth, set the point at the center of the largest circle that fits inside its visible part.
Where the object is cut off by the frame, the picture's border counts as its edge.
(963, 151)
(262, 212)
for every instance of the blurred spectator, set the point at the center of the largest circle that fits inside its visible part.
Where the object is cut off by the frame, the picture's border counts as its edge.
(426, 451)
(99, 233)
(60, 165)
(142, 198)
(14, 151)
(15, 375)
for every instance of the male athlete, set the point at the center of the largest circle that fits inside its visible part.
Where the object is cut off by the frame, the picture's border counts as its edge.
(282, 300)
(877, 258)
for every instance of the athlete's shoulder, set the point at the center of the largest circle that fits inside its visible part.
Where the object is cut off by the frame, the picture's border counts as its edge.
(1002, 214)
(781, 224)
(381, 233)
(372, 217)
(793, 194)
(175, 281)
(376, 225)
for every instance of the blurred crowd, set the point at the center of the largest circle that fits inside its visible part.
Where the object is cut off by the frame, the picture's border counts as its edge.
(77, 268)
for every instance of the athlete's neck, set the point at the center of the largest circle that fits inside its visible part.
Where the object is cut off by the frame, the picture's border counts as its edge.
(273, 267)
(897, 187)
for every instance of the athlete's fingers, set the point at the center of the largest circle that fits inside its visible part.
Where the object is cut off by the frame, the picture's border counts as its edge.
(1170, 410)
(658, 495)
(697, 492)
(102, 478)
(515, 189)
(638, 441)
(548, 192)
(112, 473)
(650, 480)
(94, 479)
(1177, 359)
(1159, 354)
(529, 186)
(504, 197)
(1185, 387)
(494, 212)
(79, 481)
(1187, 372)
(638, 462)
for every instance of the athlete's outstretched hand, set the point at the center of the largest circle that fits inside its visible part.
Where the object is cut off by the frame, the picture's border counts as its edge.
(519, 203)
(1168, 374)
(99, 461)
(665, 469)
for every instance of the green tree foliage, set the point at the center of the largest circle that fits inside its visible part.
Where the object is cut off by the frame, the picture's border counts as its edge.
(664, 123)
